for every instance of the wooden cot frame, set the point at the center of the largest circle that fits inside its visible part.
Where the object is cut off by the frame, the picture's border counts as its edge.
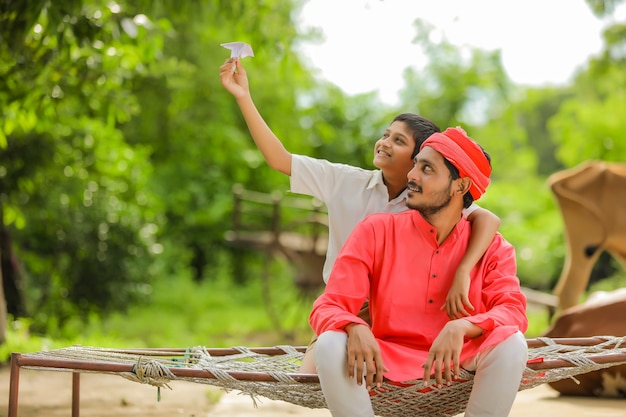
(76, 367)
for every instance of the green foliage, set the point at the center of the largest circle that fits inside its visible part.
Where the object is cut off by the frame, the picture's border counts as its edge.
(530, 116)
(538, 322)
(590, 124)
(603, 8)
(215, 313)
(19, 339)
(591, 129)
(200, 144)
(119, 148)
(73, 190)
(531, 223)
(457, 85)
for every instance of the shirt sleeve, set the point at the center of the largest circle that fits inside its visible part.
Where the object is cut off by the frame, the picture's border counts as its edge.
(314, 177)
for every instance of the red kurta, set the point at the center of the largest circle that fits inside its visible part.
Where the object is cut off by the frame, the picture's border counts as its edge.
(394, 261)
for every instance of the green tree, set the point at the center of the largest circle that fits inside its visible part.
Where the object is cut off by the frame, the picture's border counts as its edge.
(590, 124)
(73, 189)
(201, 146)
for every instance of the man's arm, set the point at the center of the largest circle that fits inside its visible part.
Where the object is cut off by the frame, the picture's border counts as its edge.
(349, 283)
(338, 307)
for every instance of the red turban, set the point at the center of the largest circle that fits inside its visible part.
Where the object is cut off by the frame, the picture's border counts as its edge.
(465, 154)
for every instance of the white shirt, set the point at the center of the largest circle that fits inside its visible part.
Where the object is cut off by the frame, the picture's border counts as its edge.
(350, 194)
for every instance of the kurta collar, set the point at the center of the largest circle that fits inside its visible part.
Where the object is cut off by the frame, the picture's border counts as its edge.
(431, 230)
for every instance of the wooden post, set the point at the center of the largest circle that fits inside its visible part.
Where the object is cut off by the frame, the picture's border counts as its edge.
(75, 394)
(237, 196)
(276, 200)
(317, 210)
(14, 385)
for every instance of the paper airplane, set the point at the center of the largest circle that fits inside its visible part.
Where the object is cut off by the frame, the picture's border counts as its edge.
(238, 49)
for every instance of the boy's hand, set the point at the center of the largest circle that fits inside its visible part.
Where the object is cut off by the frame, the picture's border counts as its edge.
(234, 78)
(457, 301)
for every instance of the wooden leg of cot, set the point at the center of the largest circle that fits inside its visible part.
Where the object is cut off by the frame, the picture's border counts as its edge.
(14, 385)
(75, 394)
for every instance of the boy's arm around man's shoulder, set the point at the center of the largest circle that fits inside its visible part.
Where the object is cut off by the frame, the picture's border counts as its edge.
(502, 301)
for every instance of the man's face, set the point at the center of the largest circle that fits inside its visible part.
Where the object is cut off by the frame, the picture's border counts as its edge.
(430, 183)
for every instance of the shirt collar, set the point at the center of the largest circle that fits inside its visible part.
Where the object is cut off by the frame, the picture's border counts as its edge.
(376, 179)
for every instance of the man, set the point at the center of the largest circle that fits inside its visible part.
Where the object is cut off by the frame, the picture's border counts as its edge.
(404, 264)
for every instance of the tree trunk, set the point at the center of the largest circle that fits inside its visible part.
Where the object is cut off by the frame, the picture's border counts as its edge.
(3, 311)
(13, 299)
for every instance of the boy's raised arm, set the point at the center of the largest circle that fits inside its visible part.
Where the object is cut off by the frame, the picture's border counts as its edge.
(235, 80)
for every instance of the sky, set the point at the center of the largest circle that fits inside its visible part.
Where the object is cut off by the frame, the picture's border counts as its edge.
(368, 43)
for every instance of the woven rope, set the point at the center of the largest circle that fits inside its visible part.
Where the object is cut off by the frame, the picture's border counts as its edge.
(150, 372)
(392, 399)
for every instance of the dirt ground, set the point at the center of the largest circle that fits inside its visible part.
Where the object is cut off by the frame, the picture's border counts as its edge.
(48, 394)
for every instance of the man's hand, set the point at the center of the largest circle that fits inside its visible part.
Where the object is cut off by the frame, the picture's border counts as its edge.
(364, 352)
(445, 351)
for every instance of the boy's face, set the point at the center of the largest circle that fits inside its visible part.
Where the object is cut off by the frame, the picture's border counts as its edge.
(393, 151)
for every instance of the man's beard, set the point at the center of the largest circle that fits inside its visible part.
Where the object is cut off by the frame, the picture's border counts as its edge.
(442, 201)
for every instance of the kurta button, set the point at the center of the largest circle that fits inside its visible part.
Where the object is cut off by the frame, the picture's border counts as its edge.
(437, 252)
(430, 301)
(434, 275)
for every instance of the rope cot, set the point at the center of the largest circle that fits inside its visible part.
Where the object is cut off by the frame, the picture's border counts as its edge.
(272, 372)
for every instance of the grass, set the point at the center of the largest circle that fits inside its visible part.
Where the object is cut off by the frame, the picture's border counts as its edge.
(183, 313)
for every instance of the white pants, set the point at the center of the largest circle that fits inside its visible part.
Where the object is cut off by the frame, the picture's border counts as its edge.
(496, 383)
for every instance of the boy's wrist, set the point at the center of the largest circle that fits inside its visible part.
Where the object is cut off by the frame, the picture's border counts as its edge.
(462, 268)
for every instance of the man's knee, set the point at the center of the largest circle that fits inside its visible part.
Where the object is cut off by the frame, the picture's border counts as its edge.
(518, 345)
(330, 349)
(512, 352)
